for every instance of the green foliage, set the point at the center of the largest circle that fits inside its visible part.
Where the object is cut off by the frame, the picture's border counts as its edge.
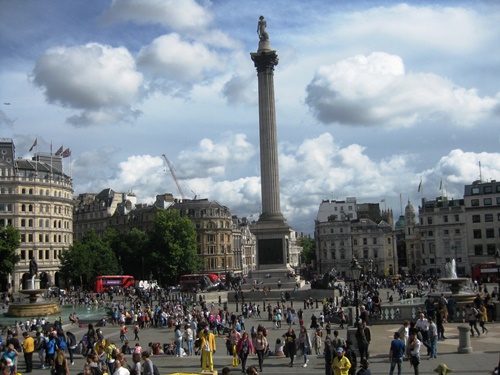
(173, 247)
(308, 249)
(130, 249)
(86, 259)
(10, 240)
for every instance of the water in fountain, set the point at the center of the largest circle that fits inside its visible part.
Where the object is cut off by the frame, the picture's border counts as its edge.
(457, 285)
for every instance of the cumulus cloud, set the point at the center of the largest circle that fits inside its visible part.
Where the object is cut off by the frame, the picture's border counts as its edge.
(236, 90)
(178, 15)
(376, 90)
(178, 63)
(213, 158)
(99, 80)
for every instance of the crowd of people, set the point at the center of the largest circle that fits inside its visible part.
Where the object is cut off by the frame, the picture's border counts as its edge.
(199, 326)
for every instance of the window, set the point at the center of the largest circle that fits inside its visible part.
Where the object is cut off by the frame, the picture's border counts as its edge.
(365, 241)
(429, 220)
(365, 254)
(474, 202)
(342, 254)
(488, 218)
(430, 233)
(457, 218)
(476, 218)
(375, 241)
(211, 238)
(445, 218)
(457, 231)
(488, 189)
(478, 249)
(475, 191)
(375, 254)
(490, 248)
(446, 232)
(333, 255)
(498, 199)
(487, 201)
(490, 233)
(476, 233)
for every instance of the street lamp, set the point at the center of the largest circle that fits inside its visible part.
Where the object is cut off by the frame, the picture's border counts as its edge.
(497, 261)
(356, 274)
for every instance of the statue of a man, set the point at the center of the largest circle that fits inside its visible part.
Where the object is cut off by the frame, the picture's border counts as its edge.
(261, 29)
(33, 267)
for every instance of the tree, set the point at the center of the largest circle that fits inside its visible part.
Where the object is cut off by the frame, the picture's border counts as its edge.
(10, 240)
(173, 246)
(86, 259)
(308, 249)
(129, 248)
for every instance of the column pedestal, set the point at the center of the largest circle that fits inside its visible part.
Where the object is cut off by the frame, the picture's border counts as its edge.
(464, 340)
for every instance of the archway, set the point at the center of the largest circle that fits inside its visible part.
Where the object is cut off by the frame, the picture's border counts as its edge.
(44, 280)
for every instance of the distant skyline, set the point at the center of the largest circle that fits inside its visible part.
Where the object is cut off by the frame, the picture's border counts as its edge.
(372, 97)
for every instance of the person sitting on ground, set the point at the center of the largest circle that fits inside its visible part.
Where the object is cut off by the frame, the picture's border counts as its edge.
(278, 349)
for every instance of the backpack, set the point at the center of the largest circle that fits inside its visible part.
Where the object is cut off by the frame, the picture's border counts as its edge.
(155, 370)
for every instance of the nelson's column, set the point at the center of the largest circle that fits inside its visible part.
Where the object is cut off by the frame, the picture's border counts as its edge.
(271, 230)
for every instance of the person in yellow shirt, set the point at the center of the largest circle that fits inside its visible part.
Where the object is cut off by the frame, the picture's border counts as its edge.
(207, 345)
(28, 349)
(341, 364)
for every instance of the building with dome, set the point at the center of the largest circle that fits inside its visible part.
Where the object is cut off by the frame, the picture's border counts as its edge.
(36, 198)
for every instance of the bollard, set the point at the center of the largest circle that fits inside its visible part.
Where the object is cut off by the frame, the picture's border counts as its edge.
(464, 340)
(316, 303)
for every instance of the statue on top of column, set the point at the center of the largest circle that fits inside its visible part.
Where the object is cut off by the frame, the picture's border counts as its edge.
(261, 29)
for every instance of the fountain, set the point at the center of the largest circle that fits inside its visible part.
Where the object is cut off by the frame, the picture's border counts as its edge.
(34, 307)
(456, 285)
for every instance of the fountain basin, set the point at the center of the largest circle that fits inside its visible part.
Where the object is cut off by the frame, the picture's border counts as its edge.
(32, 309)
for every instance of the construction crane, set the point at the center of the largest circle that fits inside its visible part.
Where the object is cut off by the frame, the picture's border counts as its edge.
(172, 172)
(174, 176)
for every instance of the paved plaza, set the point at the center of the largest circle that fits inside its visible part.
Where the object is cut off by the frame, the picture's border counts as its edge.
(485, 356)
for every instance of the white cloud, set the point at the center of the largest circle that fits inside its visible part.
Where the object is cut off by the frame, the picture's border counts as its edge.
(451, 29)
(213, 158)
(99, 80)
(376, 90)
(178, 15)
(5, 120)
(178, 62)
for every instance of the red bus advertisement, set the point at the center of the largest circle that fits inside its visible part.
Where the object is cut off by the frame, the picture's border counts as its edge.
(485, 272)
(188, 282)
(104, 283)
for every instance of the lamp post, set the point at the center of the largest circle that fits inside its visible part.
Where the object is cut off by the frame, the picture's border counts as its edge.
(497, 261)
(356, 273)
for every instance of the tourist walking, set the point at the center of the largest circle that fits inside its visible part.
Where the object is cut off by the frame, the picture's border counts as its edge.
(290, 344)
(483, 318)
(329, 356)
(243, 349)
(363, 337)
(472, 314)
(414, 346)
(28, 349)
(261, 346)
(341, 364)
(60, 364)
(396, 353)
(304, 344)
(433, 338)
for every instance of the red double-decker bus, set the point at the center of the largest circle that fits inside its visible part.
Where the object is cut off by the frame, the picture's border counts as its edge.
(486, 272)
(104, 283)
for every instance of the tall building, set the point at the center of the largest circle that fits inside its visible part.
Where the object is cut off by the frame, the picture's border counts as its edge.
(344, 229)
(36, 197)
(214, 226)
(443, 235)
(482, 218)
(92, 211)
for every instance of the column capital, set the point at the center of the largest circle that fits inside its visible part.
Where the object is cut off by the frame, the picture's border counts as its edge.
(265, 61)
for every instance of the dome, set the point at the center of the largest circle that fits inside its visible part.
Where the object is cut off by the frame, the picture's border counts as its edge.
(409, 210)
(400, 224)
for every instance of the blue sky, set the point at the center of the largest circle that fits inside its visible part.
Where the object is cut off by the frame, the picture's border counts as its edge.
(371, 96)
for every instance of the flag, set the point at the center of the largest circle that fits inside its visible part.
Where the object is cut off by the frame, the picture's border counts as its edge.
(441, 184)
(34, 144)
(66, 153)
(59, 151)
(419, 186)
